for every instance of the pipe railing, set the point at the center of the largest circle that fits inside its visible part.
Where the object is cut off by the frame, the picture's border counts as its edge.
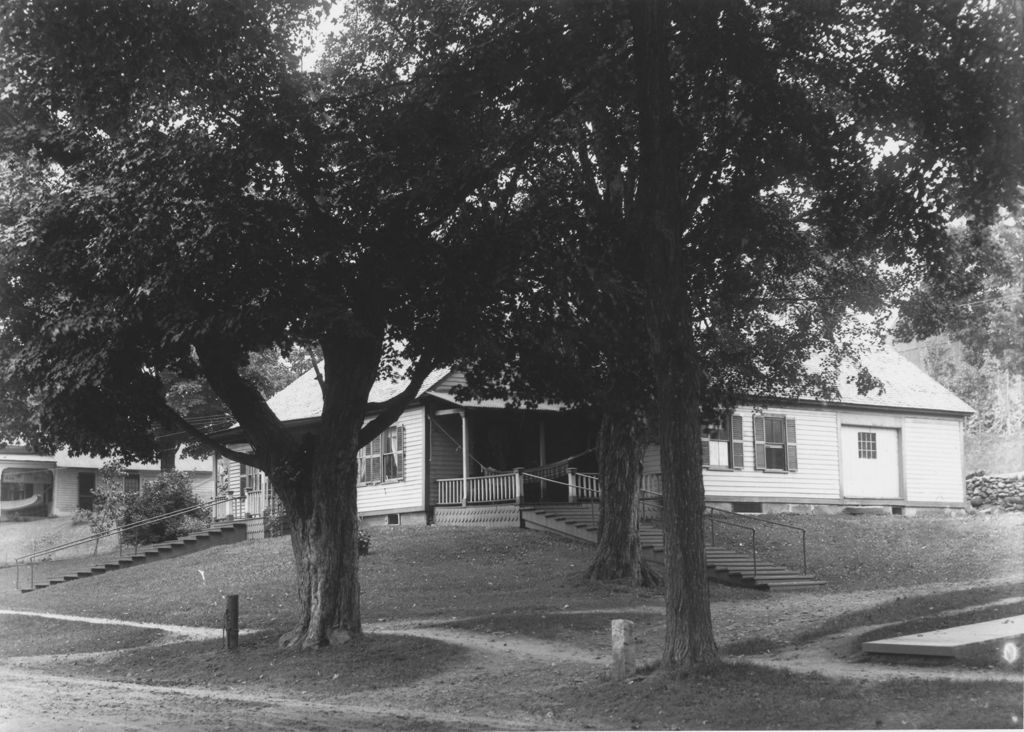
(747, 517)
(753, 535)
(120, 529)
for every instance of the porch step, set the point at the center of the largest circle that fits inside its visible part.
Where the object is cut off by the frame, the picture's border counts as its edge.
(223, 534)
(723, 565)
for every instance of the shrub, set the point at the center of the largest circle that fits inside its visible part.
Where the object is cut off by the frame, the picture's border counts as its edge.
(118, 505)
(275, 523)
(81, 516)
(364, 542)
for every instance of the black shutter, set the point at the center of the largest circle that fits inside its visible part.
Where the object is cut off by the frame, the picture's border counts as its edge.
(791, 444)
(759, 459)
(736, 435)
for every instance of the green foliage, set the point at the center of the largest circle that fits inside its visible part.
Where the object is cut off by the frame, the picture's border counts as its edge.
(364, 542)
(979, 303)
(118, 504)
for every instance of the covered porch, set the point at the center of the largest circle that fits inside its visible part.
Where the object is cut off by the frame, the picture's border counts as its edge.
(479, 455)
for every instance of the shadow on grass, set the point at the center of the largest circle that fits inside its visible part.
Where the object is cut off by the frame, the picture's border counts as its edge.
(741, 696)
(916, 614)
(548, 625)
(30, 636)
(372, 662)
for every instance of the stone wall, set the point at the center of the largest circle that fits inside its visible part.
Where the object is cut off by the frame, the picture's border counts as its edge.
(996, 492)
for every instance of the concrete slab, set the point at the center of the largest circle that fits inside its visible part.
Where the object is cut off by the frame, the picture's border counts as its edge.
(959, 642)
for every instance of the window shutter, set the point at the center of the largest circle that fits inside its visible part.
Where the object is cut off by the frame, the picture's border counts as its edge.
(736, 435)
(759, 460)
(705, 451)
(400, 451)
(791, 444)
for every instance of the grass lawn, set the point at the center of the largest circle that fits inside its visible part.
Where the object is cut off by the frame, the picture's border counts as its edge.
(521, 590)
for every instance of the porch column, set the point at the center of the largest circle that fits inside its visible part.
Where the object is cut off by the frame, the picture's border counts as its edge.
(520, 494)
(465, 457)
(571, 473)
(542, 437)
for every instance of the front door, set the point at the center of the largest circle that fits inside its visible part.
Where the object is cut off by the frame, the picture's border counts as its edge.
(871, 462)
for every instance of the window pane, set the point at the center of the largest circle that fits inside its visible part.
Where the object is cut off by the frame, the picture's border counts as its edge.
(718, 453)
(775, 457)
(867, 445)
(390, 467)
(775, 429)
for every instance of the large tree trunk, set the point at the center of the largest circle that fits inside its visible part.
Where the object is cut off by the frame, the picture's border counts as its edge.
(689, 640)
(620, 452)
(321, 503)
(324, 537)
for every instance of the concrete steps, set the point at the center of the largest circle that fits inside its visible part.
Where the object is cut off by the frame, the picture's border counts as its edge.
(723, 565)
(224, 534)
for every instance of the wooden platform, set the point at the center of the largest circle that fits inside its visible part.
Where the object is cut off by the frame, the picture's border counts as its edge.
(963, 641)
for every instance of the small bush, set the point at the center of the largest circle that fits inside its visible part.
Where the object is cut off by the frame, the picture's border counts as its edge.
(364, 542)
(117, 505)
(82, 516)
(275, 524)
(192, 525)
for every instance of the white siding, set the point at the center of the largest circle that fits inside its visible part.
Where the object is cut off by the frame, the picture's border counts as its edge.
(406, 494)
(817, 478)
(933, 459)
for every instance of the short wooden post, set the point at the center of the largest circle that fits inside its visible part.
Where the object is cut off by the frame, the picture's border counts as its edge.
(520, 494)
(623, 650)
(572, 484)
(231, 622)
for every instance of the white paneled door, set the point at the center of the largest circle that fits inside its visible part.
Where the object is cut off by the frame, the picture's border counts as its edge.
(871, 462)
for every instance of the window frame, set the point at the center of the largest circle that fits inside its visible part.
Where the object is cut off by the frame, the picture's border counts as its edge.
(762, 444)
(730, 434)
(376, 465)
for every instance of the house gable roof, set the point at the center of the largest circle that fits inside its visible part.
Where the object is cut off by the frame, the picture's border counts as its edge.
(906, 387)
(302, 398)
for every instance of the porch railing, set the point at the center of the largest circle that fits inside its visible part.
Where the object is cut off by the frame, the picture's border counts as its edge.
(499, 488)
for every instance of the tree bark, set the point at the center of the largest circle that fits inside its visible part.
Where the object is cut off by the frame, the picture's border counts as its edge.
(689, 640)
(620, 452)
(321, 503)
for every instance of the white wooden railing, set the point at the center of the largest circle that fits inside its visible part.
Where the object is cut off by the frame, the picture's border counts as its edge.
(583, 487)
(508, 488)
(498, 488)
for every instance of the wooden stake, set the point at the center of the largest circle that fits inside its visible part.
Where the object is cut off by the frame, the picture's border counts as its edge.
(231, 622)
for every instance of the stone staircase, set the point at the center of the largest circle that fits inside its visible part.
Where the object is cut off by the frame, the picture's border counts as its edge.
(216, 536)
(723, 565)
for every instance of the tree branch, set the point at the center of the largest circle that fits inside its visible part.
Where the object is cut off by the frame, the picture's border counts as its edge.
(393, 407)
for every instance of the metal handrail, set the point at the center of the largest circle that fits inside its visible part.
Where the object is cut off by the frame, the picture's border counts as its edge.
(753, 535)
(120, 529)
(747, 517)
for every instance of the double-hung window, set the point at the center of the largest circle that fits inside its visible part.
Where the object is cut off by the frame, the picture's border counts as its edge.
(722, 444)
(383, 458)
(775, 443)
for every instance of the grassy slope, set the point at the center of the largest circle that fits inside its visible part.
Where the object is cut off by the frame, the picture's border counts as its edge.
(516, 582)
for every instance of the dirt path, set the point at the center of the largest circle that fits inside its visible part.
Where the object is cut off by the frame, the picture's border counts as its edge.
(499, 682)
